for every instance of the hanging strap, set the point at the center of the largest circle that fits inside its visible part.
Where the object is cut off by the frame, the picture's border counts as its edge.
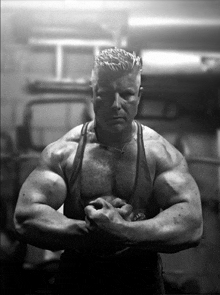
(77, 163)
(142, 152)
(139, 134)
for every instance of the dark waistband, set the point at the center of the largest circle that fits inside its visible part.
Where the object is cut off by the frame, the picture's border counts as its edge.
(129, 256)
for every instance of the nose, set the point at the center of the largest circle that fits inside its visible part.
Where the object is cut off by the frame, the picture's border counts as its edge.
(117, 101)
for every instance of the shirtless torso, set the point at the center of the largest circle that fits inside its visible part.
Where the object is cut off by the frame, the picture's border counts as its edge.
(100, 171)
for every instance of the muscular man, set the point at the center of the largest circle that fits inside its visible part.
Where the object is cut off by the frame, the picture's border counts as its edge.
(127, 193)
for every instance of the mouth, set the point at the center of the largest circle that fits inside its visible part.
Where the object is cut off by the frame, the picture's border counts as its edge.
(116, 119)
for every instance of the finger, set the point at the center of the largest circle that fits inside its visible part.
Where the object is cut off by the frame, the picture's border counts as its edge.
(90, 223)
(117, 203)
(100, 203)
(97, 204)
(90, 211)
(125, 210)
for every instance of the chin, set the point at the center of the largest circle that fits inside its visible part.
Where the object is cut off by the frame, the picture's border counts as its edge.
(115, 128)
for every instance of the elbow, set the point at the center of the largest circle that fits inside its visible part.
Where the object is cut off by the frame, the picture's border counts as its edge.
(191, 241)
(197, 233)
(195, 241)
(191, 238)
(19, 221)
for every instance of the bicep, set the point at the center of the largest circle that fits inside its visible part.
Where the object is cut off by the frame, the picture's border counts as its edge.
(173, 183)
(176, 186)
(43, 186)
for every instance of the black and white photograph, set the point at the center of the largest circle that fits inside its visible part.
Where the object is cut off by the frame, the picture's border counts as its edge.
(110, 147)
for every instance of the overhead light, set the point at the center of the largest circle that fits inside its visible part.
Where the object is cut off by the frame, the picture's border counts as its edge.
(176, 62)
(169, 21)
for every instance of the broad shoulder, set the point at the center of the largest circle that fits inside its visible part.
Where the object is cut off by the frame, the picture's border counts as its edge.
(59, 152)
(162, 153)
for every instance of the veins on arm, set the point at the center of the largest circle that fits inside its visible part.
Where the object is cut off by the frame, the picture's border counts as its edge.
(177, 194)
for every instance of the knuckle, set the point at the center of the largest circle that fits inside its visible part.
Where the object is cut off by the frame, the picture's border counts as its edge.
(118, 202)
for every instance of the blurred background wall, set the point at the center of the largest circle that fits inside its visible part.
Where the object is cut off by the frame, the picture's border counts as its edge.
(141, 25)
(47, 51)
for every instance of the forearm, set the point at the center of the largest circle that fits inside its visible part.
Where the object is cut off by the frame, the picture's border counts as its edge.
(46, 228)
(170, 231)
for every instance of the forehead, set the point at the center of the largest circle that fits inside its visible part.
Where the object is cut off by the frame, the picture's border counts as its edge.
(122, 81)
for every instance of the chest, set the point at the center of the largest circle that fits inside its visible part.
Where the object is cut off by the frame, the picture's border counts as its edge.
(108, 172)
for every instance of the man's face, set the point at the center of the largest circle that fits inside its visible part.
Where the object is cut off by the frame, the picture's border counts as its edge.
(116, 100)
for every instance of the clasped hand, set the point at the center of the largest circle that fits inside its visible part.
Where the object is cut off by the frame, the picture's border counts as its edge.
(107, 216)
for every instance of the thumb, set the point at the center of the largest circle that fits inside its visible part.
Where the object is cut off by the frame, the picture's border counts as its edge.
(125, 210)
(90, 211)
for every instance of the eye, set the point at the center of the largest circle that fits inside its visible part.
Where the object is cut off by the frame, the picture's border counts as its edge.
(104, 94)
(126, 94)
(101, 94)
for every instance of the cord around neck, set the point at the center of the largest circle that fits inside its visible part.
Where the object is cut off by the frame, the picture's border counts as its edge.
(117, 145)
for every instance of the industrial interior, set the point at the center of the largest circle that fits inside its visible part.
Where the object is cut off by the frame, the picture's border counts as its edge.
(47, 51)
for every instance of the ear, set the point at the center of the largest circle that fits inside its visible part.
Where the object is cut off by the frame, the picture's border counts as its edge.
(92, 91)
(141, 89)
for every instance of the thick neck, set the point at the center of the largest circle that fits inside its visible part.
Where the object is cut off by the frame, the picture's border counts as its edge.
(116, 139)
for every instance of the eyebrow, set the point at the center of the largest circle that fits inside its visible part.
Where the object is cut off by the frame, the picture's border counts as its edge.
(128, 89)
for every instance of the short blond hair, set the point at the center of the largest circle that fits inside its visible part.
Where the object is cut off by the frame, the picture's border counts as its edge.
(115, 60)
